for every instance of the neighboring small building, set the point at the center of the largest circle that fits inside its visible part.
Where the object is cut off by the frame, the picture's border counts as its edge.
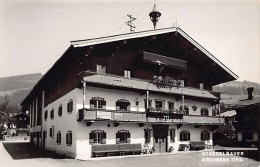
(230, 117)
(247, 124)
(18, 128)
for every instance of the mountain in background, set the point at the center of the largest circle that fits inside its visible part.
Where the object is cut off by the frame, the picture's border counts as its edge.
(16, 88)
(236, 90)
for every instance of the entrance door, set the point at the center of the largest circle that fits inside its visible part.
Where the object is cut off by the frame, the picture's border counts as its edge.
(160, 133)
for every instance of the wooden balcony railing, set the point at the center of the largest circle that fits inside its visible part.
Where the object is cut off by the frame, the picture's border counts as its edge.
(122, 116)
(150, 116)
(200, 119)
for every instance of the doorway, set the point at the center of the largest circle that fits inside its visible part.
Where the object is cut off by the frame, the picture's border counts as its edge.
(160, 133)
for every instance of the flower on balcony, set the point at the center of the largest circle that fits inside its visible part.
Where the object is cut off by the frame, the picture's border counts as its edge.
(165, 82)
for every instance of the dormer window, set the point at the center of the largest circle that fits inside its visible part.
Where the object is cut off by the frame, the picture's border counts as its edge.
(127, 73)
(101, 69)
(98, 103)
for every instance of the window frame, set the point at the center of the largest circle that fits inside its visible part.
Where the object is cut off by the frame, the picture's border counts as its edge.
(101, 69)
(69, 138)
(60, 110)
(123, 137)
(58, 140)
(172, 135)
(127, 73)
(184, 135)
(52, 114)
(205, 135)
(123, 105)
(70, 106)
(204, 111)
(97, 137)
(97, 103)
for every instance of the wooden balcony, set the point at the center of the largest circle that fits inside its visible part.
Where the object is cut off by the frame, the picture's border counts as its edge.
(176, 117)
(120, 116)
(202, 120)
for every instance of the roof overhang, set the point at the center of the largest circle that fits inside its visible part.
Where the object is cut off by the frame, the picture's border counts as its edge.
(102, 40)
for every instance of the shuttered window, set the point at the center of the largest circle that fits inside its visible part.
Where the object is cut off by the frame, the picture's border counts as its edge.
(60, 111)
(172, 135)
(205, 135)
(123, 136)
(70, 106)
(58, 137)
(186, 109)
(97, 137)
(184, 135)
(52, 114)
(204, 111)
(123, 105)
(69, 138)
(97, 103)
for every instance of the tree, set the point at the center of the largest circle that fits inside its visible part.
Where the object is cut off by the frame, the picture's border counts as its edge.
(7, 111)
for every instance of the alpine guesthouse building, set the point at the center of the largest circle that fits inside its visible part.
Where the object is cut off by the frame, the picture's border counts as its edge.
(147, 91)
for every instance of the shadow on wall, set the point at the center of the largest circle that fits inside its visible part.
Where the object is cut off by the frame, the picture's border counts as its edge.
(28, 151)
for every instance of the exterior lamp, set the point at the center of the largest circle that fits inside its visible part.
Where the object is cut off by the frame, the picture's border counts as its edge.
(155, 15)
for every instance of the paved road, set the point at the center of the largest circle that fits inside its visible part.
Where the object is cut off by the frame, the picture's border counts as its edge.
(23, 155)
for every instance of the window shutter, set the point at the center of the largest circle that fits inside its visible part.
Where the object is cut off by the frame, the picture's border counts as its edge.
(67, 138)
(117, 138)
(103, 103)
(92, 103)
(181, 136)
(188, 135)
(128, 137)
(91, 138)
(70, 135)
(201, 136)
(104, 136)
(128, 106)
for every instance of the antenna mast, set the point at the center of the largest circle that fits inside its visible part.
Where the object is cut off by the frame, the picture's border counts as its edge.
(130, 23)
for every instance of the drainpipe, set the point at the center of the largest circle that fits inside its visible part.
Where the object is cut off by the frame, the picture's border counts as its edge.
(84, 94)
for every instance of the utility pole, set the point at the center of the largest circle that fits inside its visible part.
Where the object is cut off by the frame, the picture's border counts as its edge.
(130, 23)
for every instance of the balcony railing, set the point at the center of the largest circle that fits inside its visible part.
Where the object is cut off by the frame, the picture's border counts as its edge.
(122, 116)
(151, 117)
(200, 119)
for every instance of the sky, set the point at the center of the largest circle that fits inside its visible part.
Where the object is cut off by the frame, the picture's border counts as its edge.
(34, 34)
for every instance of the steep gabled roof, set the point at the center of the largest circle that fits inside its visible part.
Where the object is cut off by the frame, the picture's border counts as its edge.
(95, 41)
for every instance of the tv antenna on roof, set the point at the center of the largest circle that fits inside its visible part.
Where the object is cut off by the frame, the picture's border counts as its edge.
(130, 23)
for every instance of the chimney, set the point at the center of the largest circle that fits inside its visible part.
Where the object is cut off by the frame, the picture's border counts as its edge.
(250, 93)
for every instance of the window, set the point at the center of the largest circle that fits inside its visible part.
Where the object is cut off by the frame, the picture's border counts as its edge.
(101, 69)
(58, 137)
(247, 136)
(127, 73)
(149, 103)
(60, 111)
(205, 135)
(52, 114)
(172, 135)
(69, 138)
(97, 102)
(147, 135)
(97, 137)
(186, 109)
(45, 115)
(204, 111)
(52, 131)
(159, 103)
(122, 136)
(171, 105)
(184, 135)
(70, 106)
(123, 104)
